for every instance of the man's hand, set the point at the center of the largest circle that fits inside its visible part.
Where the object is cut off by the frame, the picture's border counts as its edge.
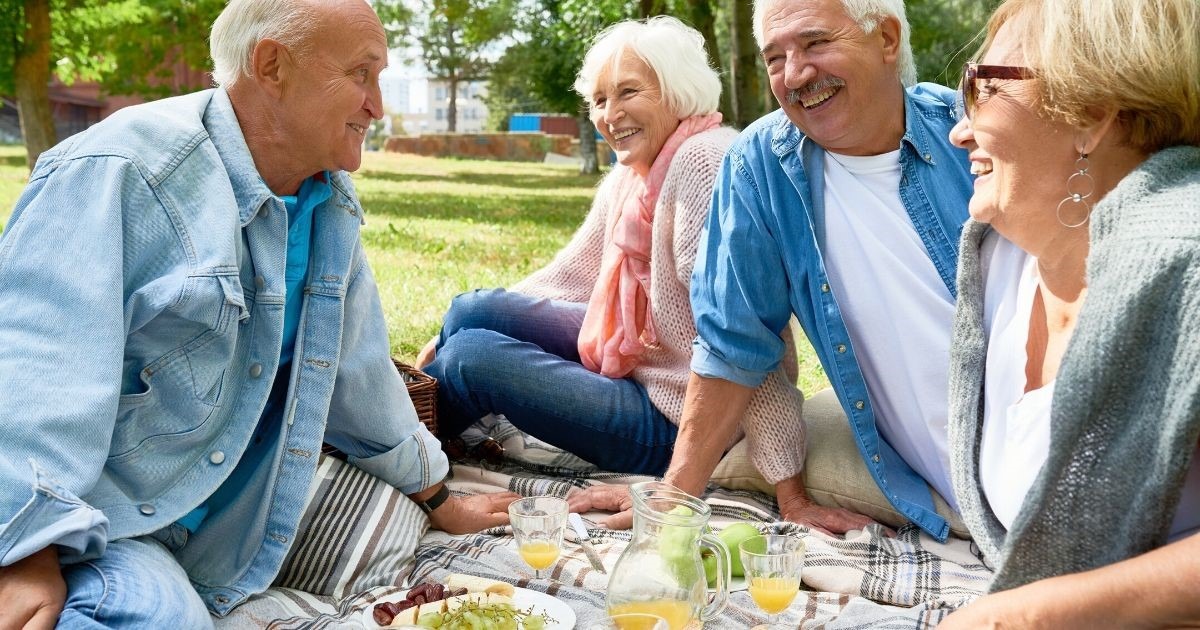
(1026, 608)
(32, 592)
(608, 498)
(467, 515)
(796, 506)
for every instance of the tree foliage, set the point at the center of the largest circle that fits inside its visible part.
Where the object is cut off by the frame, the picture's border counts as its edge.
(127, 46)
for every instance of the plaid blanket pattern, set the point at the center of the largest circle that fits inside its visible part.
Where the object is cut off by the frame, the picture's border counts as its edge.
(863, 581)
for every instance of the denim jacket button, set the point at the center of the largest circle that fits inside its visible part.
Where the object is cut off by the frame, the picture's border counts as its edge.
(859, 404)
(841, 347)
(824, 287)
(216, 457)
(146, 509)
(875, 458)
(255, 370)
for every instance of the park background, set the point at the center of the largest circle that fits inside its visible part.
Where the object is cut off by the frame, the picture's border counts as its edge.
(435, 226)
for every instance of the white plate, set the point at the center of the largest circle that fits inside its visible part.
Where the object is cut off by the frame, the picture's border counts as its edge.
(735, 584)
(523, 598)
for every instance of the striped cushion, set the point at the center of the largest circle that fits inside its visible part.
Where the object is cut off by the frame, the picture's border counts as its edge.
(358, 532)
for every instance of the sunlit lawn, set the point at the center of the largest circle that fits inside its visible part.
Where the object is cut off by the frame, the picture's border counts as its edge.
(437, 227)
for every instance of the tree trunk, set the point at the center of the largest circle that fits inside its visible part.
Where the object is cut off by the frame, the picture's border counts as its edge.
(646, 8)
(747, 89)
(452, 107)
(587, 146)
(31, 76)
(704, 19)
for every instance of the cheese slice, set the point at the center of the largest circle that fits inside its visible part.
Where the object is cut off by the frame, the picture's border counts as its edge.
(475, 584)
(432, 607)
(406, 617)
(495, 598)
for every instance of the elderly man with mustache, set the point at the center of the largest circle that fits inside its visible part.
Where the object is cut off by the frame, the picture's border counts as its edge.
(843, 208)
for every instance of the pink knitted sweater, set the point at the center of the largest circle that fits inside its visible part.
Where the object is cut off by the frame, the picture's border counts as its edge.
(772, 423)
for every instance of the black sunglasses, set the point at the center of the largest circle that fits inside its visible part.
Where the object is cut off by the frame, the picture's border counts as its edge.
(968, 87)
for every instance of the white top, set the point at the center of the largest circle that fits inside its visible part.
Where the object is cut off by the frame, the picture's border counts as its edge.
(896, 308)
(1016, 424)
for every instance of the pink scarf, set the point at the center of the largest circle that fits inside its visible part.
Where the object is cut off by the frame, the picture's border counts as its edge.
(618, 325)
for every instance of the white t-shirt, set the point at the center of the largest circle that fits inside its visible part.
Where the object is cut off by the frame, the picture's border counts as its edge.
(896, 308)
(1016, 424)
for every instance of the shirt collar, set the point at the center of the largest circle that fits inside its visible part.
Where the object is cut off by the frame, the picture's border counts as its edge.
(249, 189)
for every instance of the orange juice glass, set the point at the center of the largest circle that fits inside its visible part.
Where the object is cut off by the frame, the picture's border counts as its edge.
(773, 565)
(538, 524)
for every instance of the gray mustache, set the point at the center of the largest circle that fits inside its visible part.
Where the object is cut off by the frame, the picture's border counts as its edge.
(794, 96)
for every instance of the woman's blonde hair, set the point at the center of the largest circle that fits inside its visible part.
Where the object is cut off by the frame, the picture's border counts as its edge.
(1140, 56)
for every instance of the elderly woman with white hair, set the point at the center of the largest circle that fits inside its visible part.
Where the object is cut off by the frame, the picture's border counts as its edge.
(591, 352)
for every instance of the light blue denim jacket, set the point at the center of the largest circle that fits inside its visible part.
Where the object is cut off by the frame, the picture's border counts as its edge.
(760, 261)
(141, 313)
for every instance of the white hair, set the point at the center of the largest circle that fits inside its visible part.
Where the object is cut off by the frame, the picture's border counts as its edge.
(245, 23)
(674, 52)
(867, 13)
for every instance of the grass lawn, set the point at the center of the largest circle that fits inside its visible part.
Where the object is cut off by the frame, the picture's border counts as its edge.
(437, 227)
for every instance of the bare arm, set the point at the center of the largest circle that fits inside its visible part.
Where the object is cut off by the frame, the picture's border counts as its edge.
(1158, 589)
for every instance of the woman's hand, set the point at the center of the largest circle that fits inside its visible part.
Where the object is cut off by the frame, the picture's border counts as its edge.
(611, 498)
(426, 355)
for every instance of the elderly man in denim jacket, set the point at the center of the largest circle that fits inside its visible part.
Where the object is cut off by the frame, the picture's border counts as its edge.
(188, 315)
(844, 209)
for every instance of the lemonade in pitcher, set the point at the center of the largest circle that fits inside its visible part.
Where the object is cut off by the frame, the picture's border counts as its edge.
(676, 613)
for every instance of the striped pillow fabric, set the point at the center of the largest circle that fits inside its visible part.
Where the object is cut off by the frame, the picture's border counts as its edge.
(357, 532)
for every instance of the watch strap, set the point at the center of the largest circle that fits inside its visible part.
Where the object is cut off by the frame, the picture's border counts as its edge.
(434, 502)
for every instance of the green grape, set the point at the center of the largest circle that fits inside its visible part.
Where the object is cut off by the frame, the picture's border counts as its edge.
(430, 620)
(535, 622)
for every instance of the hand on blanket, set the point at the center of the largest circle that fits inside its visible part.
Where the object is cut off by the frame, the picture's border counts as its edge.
(32, 592)
(797, 507)
(467, 515)
(608, 498)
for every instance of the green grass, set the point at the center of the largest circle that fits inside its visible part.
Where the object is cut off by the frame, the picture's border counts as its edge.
(437, 227)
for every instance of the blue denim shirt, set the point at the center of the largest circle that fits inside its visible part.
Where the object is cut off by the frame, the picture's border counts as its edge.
(764, 239)
(142, 283)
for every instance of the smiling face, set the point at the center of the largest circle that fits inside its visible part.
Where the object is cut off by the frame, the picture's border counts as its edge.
(333, 92)
(1021, 159)
(830, 77)
(628, 109)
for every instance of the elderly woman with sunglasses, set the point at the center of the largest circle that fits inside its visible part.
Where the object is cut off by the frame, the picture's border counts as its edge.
(592, 352)
(1075, 375)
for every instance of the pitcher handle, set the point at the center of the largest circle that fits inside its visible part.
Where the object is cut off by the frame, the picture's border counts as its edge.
(719, 600)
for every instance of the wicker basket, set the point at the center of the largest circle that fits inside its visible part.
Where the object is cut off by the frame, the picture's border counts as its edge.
(422, 389)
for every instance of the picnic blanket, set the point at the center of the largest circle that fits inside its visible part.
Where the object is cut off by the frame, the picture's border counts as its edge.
(364, 541)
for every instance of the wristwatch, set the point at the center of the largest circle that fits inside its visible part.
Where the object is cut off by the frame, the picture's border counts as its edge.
(434, 502)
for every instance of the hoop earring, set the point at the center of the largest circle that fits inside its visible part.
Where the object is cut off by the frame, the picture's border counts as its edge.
(1079, 179)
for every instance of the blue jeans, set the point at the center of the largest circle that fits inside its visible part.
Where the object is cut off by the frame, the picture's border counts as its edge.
(136, 584)
(512, 354)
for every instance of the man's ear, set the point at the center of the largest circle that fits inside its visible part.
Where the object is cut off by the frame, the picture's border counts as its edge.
(270, 63)
(889, 29)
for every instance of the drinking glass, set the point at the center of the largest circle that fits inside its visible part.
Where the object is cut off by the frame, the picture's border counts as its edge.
(538, 524)
(632, 621)
(773, 565)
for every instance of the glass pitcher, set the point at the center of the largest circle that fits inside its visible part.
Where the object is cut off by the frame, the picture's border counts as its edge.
(661, 572)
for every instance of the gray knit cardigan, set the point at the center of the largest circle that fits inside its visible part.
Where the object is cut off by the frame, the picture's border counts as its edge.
(1125, 417)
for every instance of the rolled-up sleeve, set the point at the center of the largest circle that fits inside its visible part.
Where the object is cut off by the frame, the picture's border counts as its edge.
(62, 336)
(371, 417)
(739, 290)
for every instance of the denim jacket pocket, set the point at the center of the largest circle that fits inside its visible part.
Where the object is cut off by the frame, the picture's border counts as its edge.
(184, 387)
